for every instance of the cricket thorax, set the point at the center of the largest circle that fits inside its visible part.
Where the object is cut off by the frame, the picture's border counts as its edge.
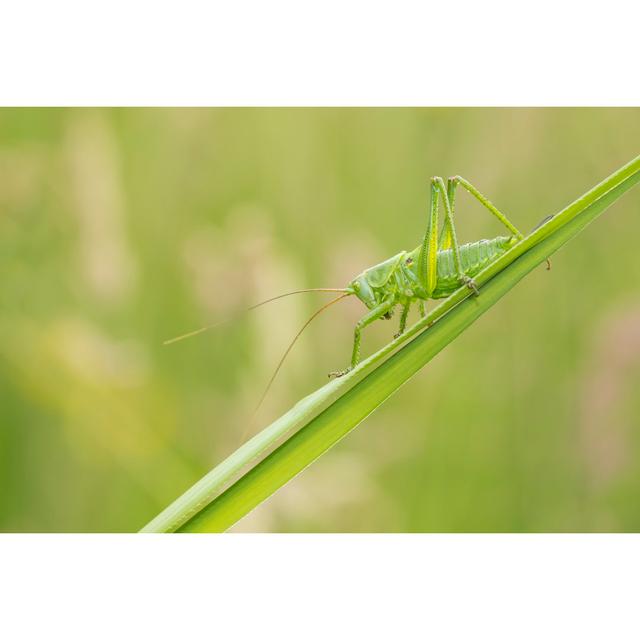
(392, 279)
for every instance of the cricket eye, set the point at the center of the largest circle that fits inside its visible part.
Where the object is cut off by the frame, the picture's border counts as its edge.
(356, 286)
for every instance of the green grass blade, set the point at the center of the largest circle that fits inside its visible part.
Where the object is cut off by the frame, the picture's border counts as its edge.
(320, 420)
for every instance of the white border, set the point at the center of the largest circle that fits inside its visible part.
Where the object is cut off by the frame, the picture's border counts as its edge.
(319, 53)
(329, 53)
(313, 586)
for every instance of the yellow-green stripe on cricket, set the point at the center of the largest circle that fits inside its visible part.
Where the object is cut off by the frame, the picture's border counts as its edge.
(434, 269)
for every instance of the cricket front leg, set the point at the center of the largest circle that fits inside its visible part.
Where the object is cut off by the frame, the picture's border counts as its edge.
(375, 314)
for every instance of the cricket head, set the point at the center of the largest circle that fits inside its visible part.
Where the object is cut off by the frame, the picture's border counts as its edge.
(361, 288)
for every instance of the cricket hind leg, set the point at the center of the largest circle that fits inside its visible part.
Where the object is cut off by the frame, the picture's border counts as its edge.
(454, 181)
(428, 256)
(448, 237)
(375, 314)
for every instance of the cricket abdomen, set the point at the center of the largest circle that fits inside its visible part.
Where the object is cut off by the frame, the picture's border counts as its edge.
(474, 257)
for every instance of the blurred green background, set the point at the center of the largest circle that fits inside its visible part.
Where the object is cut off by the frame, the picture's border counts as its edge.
(120, 228)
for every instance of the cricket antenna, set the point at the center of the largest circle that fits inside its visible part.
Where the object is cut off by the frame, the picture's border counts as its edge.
(255, 306)
(346, 294)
